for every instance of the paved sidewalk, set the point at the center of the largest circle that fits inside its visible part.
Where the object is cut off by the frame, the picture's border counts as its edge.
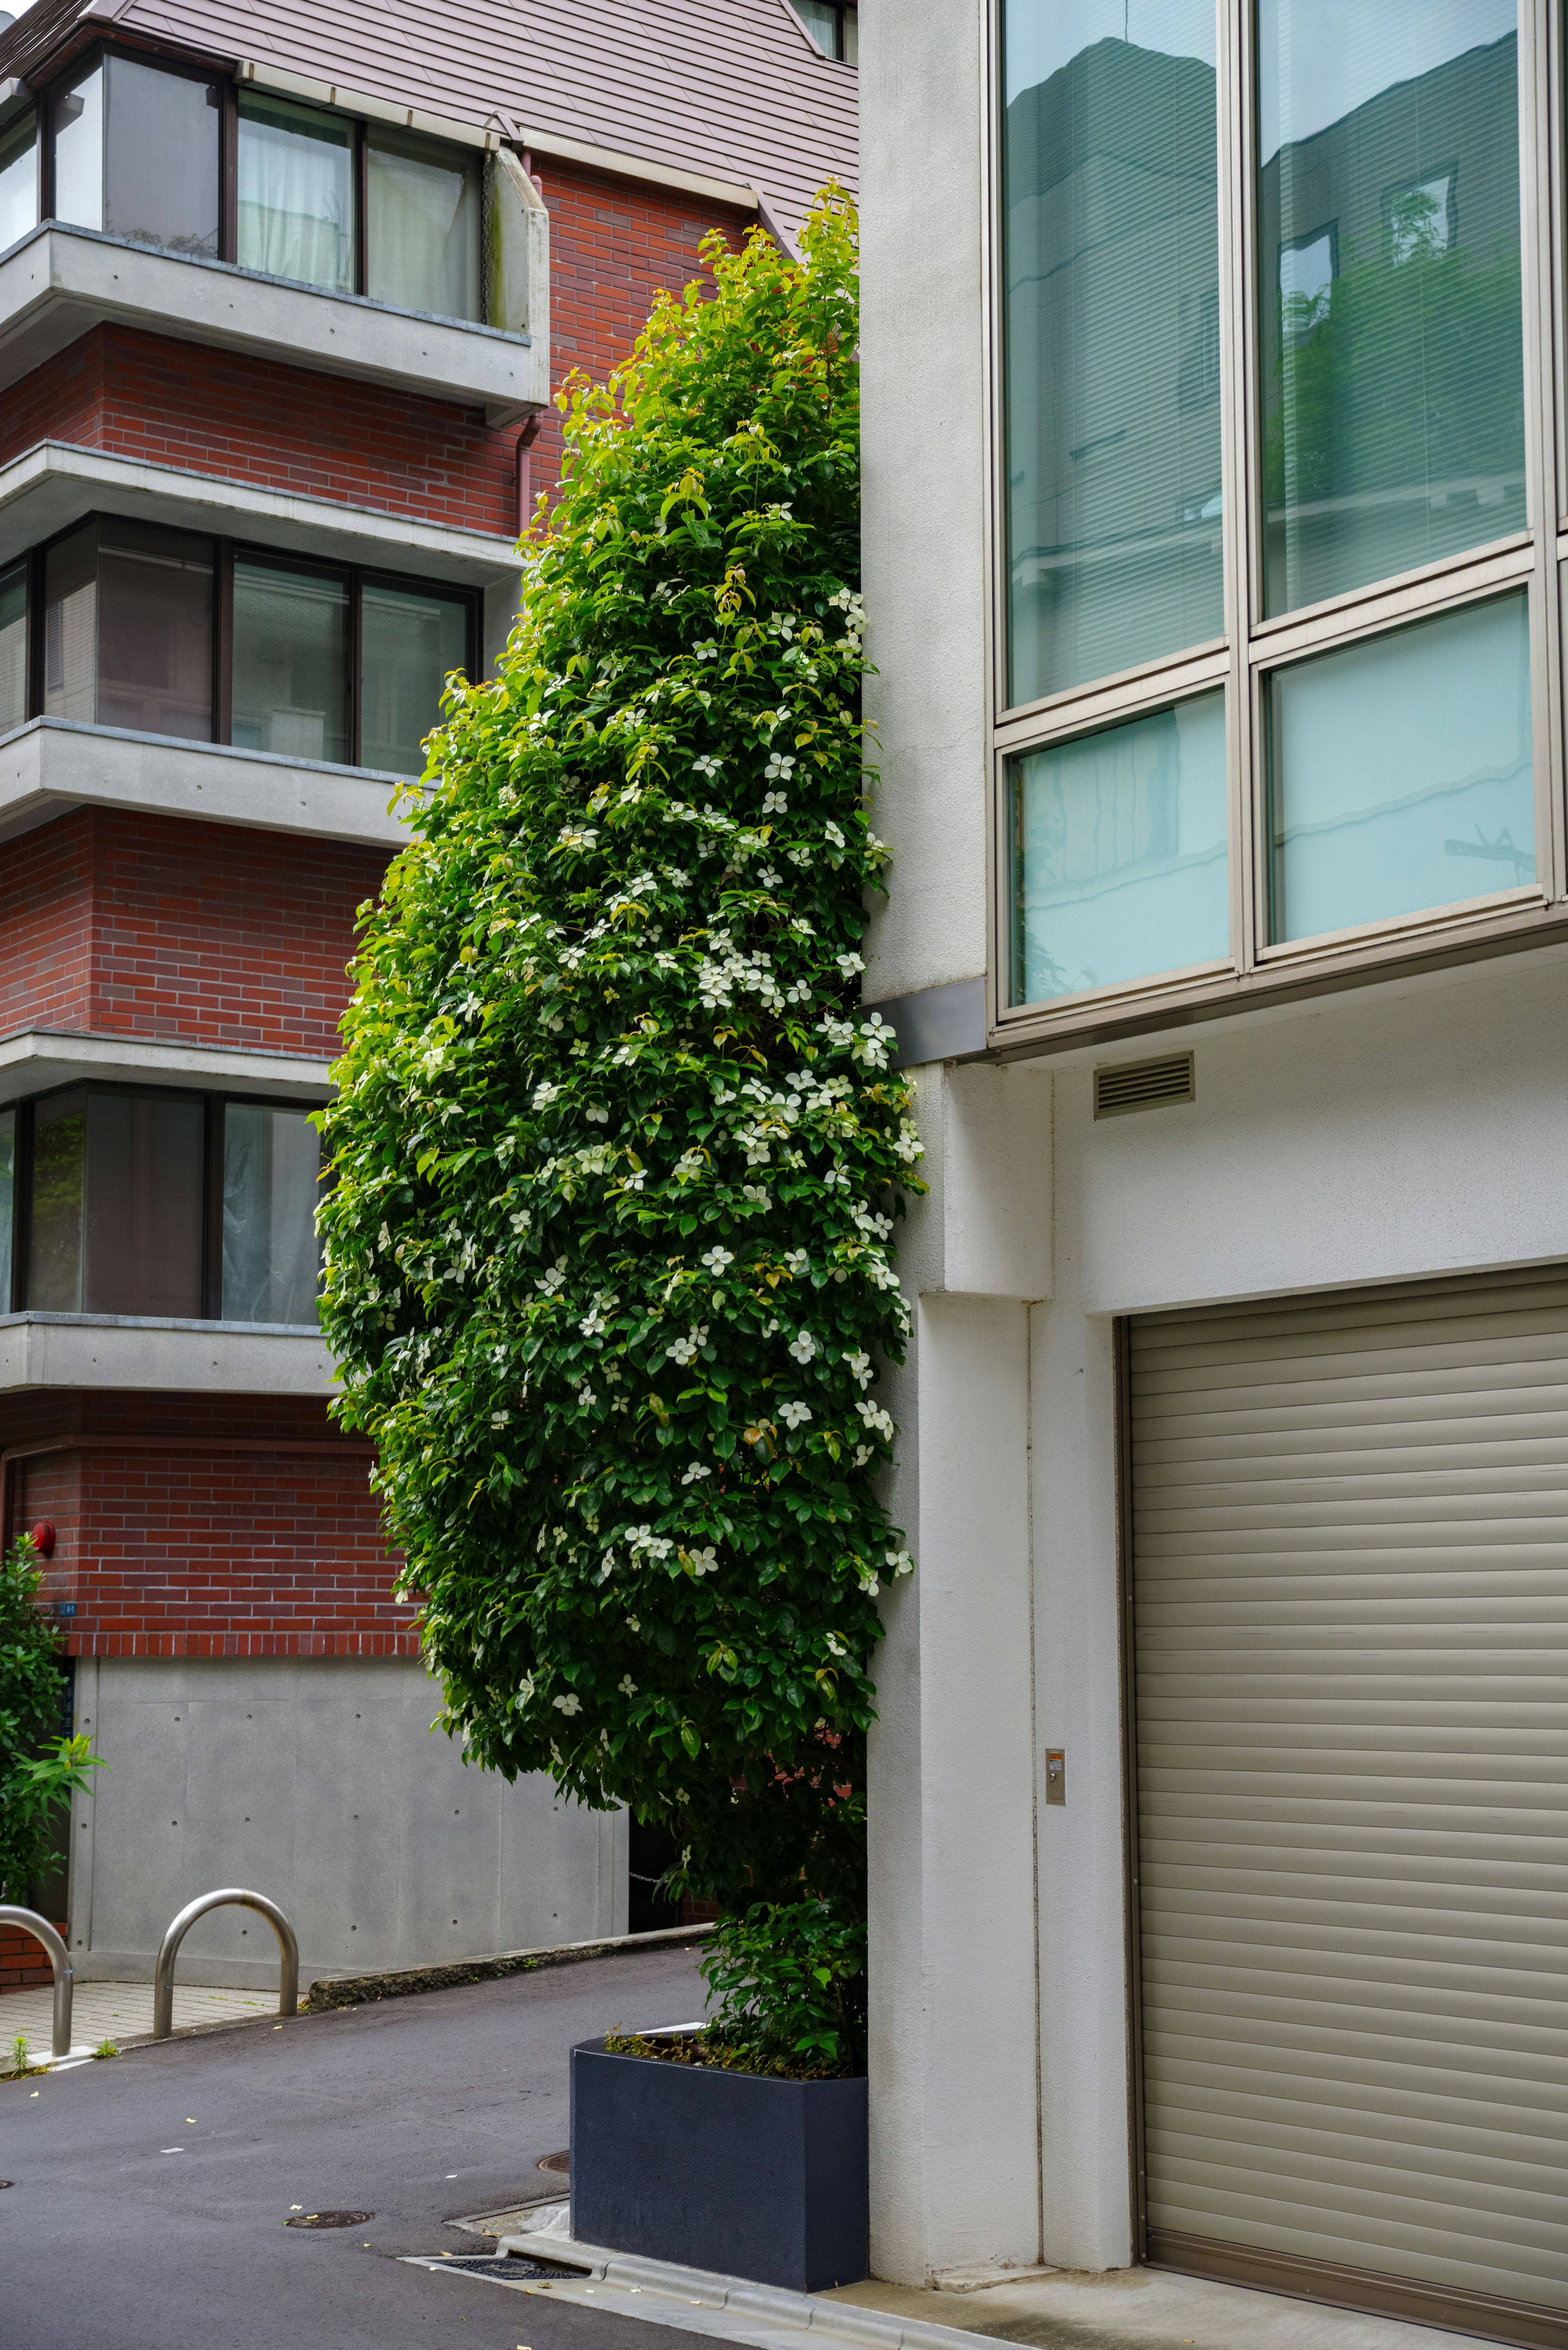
(119, 2011)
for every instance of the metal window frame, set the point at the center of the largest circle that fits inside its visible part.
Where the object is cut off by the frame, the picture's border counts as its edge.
(1535, 558)
(214, 1101)
(189, 66)
(356, 576)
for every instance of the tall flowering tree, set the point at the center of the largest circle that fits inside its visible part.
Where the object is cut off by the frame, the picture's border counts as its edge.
(616, 1157)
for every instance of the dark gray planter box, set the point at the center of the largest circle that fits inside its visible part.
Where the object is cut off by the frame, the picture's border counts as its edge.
(733, 2172)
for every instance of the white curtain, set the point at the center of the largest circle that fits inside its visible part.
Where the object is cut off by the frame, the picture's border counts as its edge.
(422, 230)
(297, 196)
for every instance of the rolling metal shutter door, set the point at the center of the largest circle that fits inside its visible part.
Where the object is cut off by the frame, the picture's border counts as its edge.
(1350, 1592)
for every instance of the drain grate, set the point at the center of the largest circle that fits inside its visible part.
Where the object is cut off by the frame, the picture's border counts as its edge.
(509, 2266)
(329, 2219)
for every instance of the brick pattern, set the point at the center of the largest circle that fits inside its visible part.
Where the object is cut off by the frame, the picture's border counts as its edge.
(152, 926)
(22, 1962)
(189, 1527)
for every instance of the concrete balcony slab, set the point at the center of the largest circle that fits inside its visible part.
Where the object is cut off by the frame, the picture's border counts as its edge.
(38, 1060)
(51, 765)
(57, 282)
(148, 1352)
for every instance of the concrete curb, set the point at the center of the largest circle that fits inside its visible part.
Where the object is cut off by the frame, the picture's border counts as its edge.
(356, 1991)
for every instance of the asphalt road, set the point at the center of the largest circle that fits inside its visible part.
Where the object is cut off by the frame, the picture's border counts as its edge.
(418, 2110)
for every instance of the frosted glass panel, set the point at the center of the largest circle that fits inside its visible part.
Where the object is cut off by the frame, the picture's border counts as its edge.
(155, 631)
(1112, 322)
(18, 181)
(410, 643)
(291, 662)
(1390, 325)
(78, 115)
(70, 627)
(295, 192)
(421, 248)
(1119, 863)
(271, 1160)
(13, 649)
(162, 158)
(1400, 772)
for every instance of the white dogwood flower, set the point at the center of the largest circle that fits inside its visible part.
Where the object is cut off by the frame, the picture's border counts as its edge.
(794, 1415)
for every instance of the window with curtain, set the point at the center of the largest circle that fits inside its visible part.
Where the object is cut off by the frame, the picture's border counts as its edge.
(411, 645)
(422, 224)
(18, 180)
(13, 646)
(292, 681)
(116, 1224)
(128, 630)
(296, 215)
(272, 1168)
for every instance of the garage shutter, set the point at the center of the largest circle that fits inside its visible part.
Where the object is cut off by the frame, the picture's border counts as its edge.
(1350, 1597)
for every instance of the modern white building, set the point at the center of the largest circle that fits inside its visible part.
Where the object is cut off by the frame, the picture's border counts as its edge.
(1215, 452)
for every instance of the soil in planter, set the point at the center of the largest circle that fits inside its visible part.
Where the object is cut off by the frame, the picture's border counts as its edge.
(706, 2048)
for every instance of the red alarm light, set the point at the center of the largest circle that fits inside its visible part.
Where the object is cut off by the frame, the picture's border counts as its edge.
(44, 1538)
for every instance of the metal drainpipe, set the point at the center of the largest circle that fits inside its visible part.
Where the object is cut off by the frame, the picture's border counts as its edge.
(526, 440)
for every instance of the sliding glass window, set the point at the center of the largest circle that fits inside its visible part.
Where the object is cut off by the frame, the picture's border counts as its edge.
(13, 646)
(136, 153)
(421, 223)
(18, 178)
(295, 211)
(1272, 590)
(291, 691)
(142, 1202)
(1110, 229)
(128, 629)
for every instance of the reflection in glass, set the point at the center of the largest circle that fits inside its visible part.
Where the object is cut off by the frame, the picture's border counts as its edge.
(13, 648)
(7, 1201)
(115, 1221)
(1390, 322)
(291, 662)
(1400, 773)
(77, 119)
(410, 643)
(1112, 316)
(295, 192)
(18, 180)
(1119, 866)
(128, 630)
(162, 158)
(421, 239)
(272, 1164)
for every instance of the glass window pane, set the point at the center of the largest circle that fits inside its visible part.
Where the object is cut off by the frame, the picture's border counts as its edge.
(421, 231)
(291, 662)
(7, 1201)
(144, 1188)
(1400, 773)
(820, 18)
(1119, 863)
(57, 1266)
(162, 181)
(1390, 327)
(852, 37)
(295, 192)
(1111, 320)
(272, 1164)
(410, 643)
(70, 627)
(13, 646)
(78, 150)
(18, 180)
(155, 631)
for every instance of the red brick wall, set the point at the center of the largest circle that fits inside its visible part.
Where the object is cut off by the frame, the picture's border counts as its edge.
(189, 1526)
(152, 926)
(23, 1962)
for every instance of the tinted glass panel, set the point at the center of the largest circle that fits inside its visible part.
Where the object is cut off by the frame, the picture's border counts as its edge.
(1112, 319)
(291, 662)
(116, 1225)
(161, 182)
(410, 643)
(295, 192)
(1119, 853)
(78, 115)
(421, 248)
(1390, 324)
(1400, 772)
(272, 1159)
(820, 18)
(155, 631)
(18, 181)
(7, 1201)
(70, 627)
(13, 646)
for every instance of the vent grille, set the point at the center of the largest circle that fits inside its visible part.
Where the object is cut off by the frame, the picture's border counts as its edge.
(1142, 1084)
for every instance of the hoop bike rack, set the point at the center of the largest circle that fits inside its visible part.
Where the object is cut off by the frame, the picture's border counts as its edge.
(59, 1967)
(229, 1896)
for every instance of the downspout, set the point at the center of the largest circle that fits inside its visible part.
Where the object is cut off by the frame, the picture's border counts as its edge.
(526, 440)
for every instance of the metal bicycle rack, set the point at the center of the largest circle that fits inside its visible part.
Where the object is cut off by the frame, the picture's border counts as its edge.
(60, 1966)
(232, 1895)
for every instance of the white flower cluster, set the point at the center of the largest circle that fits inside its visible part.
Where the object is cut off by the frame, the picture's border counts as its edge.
(686, 1350)
(876, 1418)
(794, 1414)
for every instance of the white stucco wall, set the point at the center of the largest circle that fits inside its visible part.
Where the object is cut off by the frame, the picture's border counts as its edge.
(318, 1782)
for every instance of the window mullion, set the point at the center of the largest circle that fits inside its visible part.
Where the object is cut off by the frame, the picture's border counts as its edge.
(1539, 197)
(1237, 442)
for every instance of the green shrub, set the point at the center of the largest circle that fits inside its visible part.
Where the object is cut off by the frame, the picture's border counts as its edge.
(38, 1774)
(616, 1156)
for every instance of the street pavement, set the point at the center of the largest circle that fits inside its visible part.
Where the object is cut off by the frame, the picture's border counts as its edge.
(151, 2191)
